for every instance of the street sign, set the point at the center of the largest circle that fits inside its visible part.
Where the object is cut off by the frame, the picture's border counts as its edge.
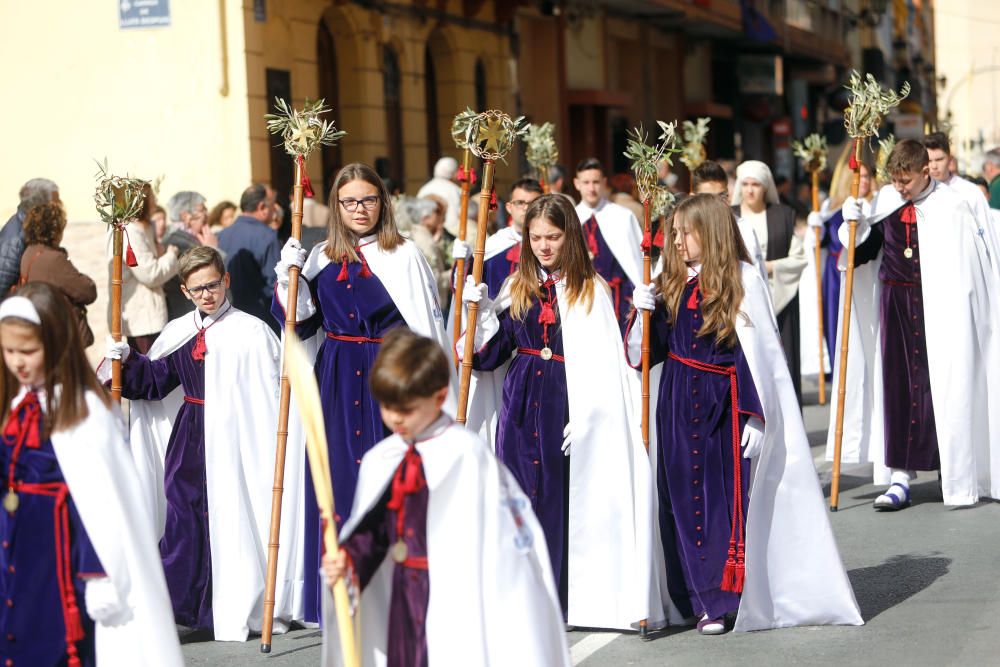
(143, 14)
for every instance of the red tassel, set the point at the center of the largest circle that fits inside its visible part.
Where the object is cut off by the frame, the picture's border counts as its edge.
(472, 176)
(493, 201)
(853, 163)
(514, 256)
(306, 183)
(734, 574)
(200, 347)
(130, 260)
(365, 271)
(547, 316)
(74, 661)
(343, 275)
(74, 627)
(591, 229)
(658, 239)
(541, 181)
(908, 215)
(647, 242)
(692, 303)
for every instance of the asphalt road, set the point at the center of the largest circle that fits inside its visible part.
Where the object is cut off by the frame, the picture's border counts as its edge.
(927, 580)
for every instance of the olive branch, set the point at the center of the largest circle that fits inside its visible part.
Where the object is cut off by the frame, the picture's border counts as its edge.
(540, 145)
(870, 103)
(812, 151)
(645, 158)
(118, 198)
(695, 133)
(302, 131)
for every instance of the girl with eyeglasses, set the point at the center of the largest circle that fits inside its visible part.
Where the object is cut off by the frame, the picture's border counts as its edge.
(363, 281)
(549, 346)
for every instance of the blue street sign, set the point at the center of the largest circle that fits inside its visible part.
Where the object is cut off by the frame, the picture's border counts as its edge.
(143, 14)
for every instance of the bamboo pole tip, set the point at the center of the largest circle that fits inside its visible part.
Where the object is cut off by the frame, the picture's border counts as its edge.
(265, 648)
(833, 508)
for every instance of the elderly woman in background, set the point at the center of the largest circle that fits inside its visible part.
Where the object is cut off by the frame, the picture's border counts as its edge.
(144, 305)
(44, 260)
(427, 234)
(188, 229)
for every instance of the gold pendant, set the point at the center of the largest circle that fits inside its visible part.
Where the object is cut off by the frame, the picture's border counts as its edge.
(908, 253)
(11, 502)
(545, 353)
(399, 551)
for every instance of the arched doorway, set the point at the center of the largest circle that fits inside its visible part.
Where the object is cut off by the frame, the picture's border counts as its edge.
(431, 101)
(329, 90)
(392, 166)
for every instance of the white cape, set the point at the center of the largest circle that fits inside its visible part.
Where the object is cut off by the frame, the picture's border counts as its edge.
(94, 460)
(610, 482)
(957, 285)
(622, 233)
(493, 601)
(240, 443)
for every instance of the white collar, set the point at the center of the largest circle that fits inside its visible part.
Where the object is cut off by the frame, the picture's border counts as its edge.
(597, 209)
(209, 320)
(514, 234)
(694, 270)
(919, 199)
(40, 391)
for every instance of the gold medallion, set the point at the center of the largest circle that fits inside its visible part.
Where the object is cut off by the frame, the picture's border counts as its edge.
(399, 551)
(545, 353)
(11, 502)
(908, 253)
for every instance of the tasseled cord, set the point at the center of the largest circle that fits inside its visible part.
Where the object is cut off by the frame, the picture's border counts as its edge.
(344, 261)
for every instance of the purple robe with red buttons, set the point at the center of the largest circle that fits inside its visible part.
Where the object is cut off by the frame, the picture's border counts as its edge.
(499, 267)
(608, 268)
(359, 306)
(185, 546)
(32, 629)
(831, 281)
(532, 418)
(910, 429)
(367, 548)
(694, 468)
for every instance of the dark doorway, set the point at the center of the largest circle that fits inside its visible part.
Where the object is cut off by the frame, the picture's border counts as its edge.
(331, 157)
(393, 116)
(279, 84)
(430, 95)
(480, 83)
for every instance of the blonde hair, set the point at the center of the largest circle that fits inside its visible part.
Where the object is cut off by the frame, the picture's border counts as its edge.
(575, 265)
(340, 240)
(721, 277)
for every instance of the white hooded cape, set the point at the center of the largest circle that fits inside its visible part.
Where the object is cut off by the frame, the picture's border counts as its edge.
(794, 575)
(406, 277)
(613, 580)
(957, 285)
(493, 602)
(94, 460)
(240, 441)
(622, 233)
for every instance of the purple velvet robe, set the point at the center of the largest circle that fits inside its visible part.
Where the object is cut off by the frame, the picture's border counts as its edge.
(497, 268)
(831, 281)
(608, 268)
(185, 547)
(359, 306)
(32, 626)
(694, 468)
(367, 547)
(910, 429)
(534, 414)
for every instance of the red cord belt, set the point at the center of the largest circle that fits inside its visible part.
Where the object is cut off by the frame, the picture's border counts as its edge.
(735, 570)
(538, 353)
(195, 401)
(64, 574)
(899, 283)
(352, 339)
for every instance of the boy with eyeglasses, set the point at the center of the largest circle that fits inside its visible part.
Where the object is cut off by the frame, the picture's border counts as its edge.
(203, 420)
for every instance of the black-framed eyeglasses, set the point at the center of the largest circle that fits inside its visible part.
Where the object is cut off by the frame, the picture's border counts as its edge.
(351, 205)
(201, 289)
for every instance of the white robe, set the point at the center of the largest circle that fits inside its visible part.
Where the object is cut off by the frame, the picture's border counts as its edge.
(240, 442)
(794, 575)
(621, 231)
(493, 601)
(94, 459)
(957, 285)
(610, 480)
(980, 206)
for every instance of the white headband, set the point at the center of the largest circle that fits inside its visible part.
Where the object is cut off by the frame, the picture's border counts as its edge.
(19, 306)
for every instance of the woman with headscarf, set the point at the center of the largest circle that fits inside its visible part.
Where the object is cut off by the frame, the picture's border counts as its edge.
(756, 201)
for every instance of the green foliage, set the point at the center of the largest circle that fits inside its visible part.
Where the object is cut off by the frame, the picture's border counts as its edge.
(302, 131)
(645, 158)
(812, 151)
(540, 145)
(695, 133)
(870, 103)
(118, 198)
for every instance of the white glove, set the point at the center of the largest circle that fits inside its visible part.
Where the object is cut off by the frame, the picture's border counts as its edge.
(103, 603)
(473, 293)
(753, 438)
(815, 220)
(116, 349)
(292, 254)
(852, 210)
(644, 297)
(460, 250)
(567, 439)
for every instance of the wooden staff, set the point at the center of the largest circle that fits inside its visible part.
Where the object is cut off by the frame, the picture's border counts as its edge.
(278, 489)
(647, 261)
(819, 289)
(845, 330)
(485, 197)
(543, 172)
(460, 262)
(117, 232)
(301, 375)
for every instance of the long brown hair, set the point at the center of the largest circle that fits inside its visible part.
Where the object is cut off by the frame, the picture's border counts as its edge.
(340, 240)
(68, 376)
(721, 277)
(575, 265)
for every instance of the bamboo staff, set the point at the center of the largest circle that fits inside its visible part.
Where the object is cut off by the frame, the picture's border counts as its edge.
(870, 103)
(302, 133)
(655, 201)
(813, 153)
(119, 199)
(467, 177)
(491, 135)
(302, 379)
